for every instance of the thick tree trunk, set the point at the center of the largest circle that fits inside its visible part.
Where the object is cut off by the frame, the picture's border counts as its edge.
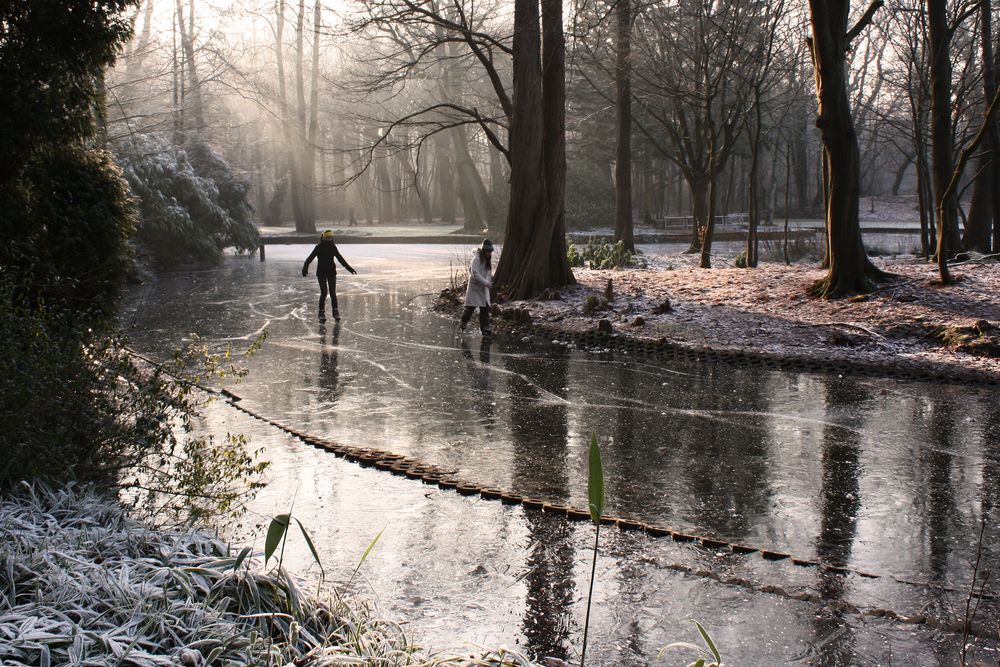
(498, 175)
(942, 143)
(623, 159)
(801, 161)
(526, 212)
(993, 131)
(534, 253)
(557, 270)
(980, 219)
(850, 271)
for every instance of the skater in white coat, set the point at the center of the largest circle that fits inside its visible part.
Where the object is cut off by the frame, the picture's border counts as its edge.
(478, 293)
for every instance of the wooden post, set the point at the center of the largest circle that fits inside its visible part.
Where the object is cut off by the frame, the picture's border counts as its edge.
(262, 251)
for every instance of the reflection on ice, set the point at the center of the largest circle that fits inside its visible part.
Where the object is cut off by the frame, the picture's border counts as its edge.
(884, 477)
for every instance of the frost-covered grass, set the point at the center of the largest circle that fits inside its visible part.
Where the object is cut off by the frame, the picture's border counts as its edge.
(83, 583)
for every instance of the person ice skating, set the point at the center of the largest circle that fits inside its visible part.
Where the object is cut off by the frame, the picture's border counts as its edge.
(326, 272)
(477, 295)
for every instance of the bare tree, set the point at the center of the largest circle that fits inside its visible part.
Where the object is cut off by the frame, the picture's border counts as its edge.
(197, 107)
(764, 79)
(623, 158)
(942, 139)
(690, 80)
(532, 117)
(984, 212)
(849, 270)
(906, 33)
(534, 253)
(291, 136)
(436, 58)
(311, 135)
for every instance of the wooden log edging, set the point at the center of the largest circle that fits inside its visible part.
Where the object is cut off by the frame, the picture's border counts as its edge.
(445, 479)
(514, 321)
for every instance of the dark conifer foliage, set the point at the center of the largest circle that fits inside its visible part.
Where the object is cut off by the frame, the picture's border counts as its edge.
(66, 217)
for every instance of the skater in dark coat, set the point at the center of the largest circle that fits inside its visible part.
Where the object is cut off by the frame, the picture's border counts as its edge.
(326, 272)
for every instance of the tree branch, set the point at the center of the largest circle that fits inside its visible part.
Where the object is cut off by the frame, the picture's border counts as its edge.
(863, 21)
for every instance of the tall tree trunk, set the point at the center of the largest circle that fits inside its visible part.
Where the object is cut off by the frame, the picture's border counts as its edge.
(558, 273)
(925, 201)
(312, 137)
(137, 55)
(850, 271)
(942, 143)
(788, 198)
(194, 84)
(445, 176)
(980, 219)
(647, 191)
(752, 205)
(384, 186)
(260, 194)
(498, 175)
(623, 158)
(772, 188)
(413, 178)
(526, 211)
(709, 229)
(306, 159)
(801, 161)
(176, 112)
(679, 207)
(471, 190)
(993, 132)
(287, 123)
(365, 191)
(897, 180)
(534, 252)
(339, 175)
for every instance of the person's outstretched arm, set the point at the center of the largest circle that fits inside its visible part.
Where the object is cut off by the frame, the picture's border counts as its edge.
(309, 259)
(343, 262)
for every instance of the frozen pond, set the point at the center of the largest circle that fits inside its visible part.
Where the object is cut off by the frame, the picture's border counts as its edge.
(879, 476)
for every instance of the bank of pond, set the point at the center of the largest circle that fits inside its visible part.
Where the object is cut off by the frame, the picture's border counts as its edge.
(83, 582)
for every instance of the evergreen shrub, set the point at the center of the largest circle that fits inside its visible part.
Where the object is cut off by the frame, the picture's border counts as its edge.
(191, 204)
(598, 255)
(79, 407)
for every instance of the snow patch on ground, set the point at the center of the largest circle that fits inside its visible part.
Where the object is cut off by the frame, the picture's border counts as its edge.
(768, 309)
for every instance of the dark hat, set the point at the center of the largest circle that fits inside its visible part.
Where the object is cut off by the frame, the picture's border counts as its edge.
(487, 246)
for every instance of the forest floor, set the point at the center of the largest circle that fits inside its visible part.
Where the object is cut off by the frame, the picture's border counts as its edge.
(912, 320)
